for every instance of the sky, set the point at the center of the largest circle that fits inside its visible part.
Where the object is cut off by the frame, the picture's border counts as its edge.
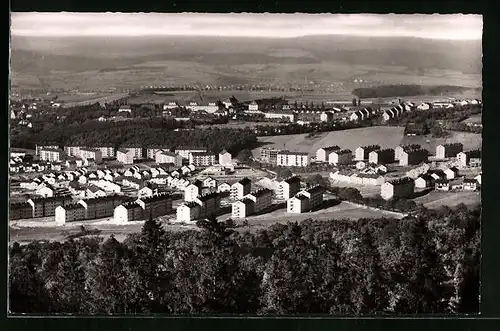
(436, 26)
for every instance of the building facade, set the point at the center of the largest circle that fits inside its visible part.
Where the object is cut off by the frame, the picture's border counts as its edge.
(400, 188)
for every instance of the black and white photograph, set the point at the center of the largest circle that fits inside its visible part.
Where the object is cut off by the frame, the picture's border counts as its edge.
(245, 164)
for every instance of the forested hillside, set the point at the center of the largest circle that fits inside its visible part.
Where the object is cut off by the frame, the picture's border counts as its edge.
(426, 263)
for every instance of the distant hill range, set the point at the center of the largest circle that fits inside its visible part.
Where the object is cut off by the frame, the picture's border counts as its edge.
(44, 56)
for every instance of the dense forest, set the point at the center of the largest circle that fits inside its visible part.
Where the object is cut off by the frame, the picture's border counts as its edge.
(425, 263)
(387, 91)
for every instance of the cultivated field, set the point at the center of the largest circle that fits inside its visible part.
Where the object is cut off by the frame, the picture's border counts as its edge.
(478, 118)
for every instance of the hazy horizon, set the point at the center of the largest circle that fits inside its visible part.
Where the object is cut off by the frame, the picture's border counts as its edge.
(436, 26)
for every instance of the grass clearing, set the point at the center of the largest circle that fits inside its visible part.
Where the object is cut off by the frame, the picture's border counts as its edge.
(436, 199)
(385, 136)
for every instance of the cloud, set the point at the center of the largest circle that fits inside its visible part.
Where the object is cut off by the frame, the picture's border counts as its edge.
(245, 25)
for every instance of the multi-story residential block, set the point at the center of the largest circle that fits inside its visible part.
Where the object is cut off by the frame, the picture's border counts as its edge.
(465, 159)
(223, 187)
(362, 153)
(156, 205)
(72, 150)
(209, 204)
(398, 151)
(202, 159)
(314, 195)
(297, 204)
(45, 207)
(242, 208)
(188, 211)
(383, 156)
(136, 151)
(282, 115)
(125, 156)
(152, 151)
(240, 189)
(20, 211)
(424, 181)
(323, 153)
(101, 207)
(193, 190)
(288, 187)
(166, 157)
(69, 213)
(185, 151)
(262, 199)
(399, 188)
(451, 173)
(45, 190)
(292, 159)
(413, 156)
(91, 154)
(225, 158)
(127, 212)
(444, 151)
(107, 152)
(269, 155)
(341, 157)
(327, 116)
(40, 147)
(51, 155)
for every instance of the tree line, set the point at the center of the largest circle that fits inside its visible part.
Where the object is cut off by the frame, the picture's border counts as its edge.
(424, 263)
(141, 133)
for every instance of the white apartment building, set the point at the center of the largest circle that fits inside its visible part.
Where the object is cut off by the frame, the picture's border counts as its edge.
(287, 188)
(51, 155)
(298, 204)
(91, 154)
(323, 153)
(262, 199)
(341, 157)
(225, 158)
(240, 189)
(163, 157)
(185, 151)
(188, 211)
(242, 208)
(202, 159)
(292, 159)
(125, 156)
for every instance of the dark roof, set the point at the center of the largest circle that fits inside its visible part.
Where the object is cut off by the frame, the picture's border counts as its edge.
(159, 197)
(245, 181)
(131, 205)
(426, 177)
(344, 151)
(190, 204)
(207, 196)
(194, 154)
(371, 147)
(470, 180)
(301, 197)
(315, 189)
(260, 192)
(401, 181)
(442, 181)
(50, 199)
(247, 201)
(293, 179)
(124, 151)
(73, 206)
(293, 153)
(104, 199)
(331, 148)
(94, 188)
(454, 169)
(452, 145)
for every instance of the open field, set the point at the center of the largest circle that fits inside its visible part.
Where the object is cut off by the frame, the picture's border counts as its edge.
(343, 210)
(238, 125)
(469, 140)
(478, 118)
(92, 99)
(436, 199)
(385, 136)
